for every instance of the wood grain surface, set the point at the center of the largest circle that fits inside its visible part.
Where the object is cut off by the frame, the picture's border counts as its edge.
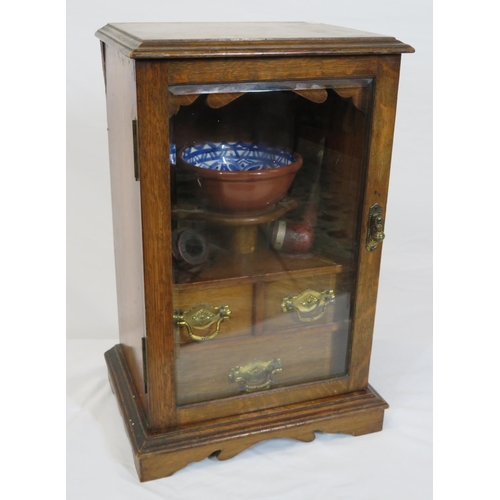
(153, 133)
(192, 408)
(377, 184)
(184, 40)
(158, 455)
(126, 205)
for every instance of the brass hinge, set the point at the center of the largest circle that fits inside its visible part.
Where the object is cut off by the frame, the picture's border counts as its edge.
(103, 60)
(144, 364)
(135, 138)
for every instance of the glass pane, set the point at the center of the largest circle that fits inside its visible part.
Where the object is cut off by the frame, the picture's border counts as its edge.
(267, 185)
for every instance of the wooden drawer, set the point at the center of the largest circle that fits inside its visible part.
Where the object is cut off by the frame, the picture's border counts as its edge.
(306, 290)
(209, 370)
(238, 298)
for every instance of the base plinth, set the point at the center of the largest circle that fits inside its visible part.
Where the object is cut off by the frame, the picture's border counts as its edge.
(159, 455)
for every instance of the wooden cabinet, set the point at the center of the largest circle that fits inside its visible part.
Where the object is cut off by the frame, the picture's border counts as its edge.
(249, 167)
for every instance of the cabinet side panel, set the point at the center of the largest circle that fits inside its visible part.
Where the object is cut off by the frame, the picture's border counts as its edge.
(125, 193)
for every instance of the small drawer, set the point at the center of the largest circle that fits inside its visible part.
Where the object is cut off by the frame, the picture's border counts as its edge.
(212, 313)
(211, 371)
(304, 301)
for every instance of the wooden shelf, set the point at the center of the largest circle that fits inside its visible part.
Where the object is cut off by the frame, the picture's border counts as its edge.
(264, 264)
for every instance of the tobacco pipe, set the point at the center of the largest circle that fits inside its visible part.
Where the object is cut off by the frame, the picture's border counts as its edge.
(294, 237)
(297, 237)
(189, 248)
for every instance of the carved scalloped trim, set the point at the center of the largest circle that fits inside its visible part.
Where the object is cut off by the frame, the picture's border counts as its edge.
(354, 93)
(219, 100)
(176, 101)
(162, 454)
(315, 95)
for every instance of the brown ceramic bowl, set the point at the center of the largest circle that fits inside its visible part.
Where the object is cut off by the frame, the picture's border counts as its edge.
(250, 191)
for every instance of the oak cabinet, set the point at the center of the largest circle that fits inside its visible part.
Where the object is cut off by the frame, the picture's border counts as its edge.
(249, 172)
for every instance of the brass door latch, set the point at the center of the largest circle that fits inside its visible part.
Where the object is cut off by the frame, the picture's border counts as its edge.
(375, 226)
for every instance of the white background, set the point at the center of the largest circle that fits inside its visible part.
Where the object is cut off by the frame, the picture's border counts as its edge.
(39, 382)
(394, 464)
(44, 392)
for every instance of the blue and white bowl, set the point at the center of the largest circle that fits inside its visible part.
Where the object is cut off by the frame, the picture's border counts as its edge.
(240, 178)
(236, 156)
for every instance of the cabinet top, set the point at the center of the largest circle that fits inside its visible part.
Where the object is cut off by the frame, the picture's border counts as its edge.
(187, 40)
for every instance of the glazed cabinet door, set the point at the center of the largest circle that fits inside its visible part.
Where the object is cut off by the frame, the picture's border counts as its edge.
(272, 203)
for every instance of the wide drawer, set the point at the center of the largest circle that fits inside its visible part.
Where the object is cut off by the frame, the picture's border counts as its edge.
(305, 301)
(213, 370)
(204, 310)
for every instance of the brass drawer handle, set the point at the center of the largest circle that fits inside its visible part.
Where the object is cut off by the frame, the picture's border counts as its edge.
(308, 302)
(200, 317)
(256, 375)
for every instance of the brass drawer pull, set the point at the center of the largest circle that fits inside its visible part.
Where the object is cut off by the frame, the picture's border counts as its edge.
(308, 302)
(200, 317)
(256, 375)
